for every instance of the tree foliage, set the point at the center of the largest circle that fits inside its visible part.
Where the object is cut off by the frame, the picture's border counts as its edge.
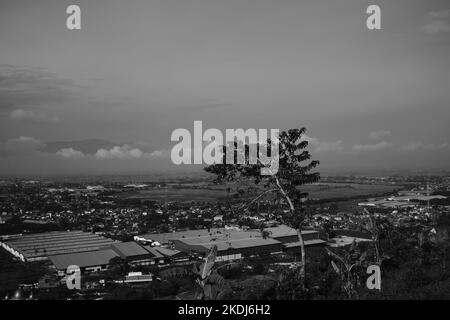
(295, 168)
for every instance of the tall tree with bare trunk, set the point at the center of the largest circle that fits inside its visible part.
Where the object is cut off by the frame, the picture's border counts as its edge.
(294, 170)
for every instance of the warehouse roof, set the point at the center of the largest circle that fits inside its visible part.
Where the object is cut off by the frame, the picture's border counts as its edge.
(154, 252)
(284, 231)
(83, 259)
(48, 235)
(226, 244)
(167, 252)
(202, 240)
(165, 237)
(280, 231)
(252, 242)
(58, 242)
(128, 249)
(306, 243)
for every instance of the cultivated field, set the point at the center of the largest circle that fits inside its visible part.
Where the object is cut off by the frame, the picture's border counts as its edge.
(205, 192)
(339, 190)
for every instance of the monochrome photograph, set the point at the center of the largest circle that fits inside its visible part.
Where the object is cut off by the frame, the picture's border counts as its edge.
(224, 155)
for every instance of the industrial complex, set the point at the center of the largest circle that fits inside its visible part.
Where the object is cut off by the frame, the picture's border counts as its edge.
(92, 252)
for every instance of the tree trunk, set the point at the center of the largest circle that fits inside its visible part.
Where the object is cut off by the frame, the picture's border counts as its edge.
(302, 272)
(303, 255)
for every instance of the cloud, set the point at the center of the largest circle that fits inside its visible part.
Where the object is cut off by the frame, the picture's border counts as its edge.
(318, 145)
(440, 14)
(422, 146)
(437, 26)
(372, 147)
(128, 152)
(103, 149)
(21, 146)
(27, 87)
(160, 153)
(87, 146)
(141, 145)
(70, 153)
(380, 134)
(27, 146)
(119, 152)
(28, 115)
(439, 22)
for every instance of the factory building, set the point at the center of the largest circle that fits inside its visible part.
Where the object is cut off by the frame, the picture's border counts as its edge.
(235, 244)
(91, 261)
(287, 234)
(136, 254)
(93, 253)
(229, 249)
(99, 260)
(39, 246)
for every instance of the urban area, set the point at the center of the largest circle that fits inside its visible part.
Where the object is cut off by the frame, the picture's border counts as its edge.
(152, 237)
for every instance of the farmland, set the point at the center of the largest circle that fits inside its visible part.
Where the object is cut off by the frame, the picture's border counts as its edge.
(340, 190)
(210, 193)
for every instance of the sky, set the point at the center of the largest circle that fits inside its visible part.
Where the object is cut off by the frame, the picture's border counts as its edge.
(106, 98)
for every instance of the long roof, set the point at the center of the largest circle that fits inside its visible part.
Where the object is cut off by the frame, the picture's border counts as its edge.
(204, 244)
(83, 259)
(58, 242)
(306, 243)
(284, 231)
(154, 252)
(275, 232)
(168, 236)
(129, 249)
(165, 251)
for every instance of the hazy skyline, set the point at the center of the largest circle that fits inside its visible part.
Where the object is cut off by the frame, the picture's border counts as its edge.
(106, 98)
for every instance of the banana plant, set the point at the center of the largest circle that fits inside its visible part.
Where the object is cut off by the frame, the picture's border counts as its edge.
(375, 233)
(209, 281)
(346, 267)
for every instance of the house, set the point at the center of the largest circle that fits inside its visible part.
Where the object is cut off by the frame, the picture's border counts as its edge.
(136, 278)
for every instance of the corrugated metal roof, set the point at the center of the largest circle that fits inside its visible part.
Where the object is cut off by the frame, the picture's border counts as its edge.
(58, 242)
(83, 259)
(165, 237)
(306, 242)
(67, 249)
(154, 252)
(253, 242)
(49, 235)
(279, 231)
(233, 244)
(284, 231)
(168, 252)
(129, 249)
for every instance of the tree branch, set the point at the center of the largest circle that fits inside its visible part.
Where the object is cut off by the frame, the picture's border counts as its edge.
(258, 197)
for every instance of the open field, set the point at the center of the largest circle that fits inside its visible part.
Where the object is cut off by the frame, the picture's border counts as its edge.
(175, 194)
(340, 190)
(206, 192)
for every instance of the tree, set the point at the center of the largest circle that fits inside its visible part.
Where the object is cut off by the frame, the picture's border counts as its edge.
(118, 267)
(284, 183)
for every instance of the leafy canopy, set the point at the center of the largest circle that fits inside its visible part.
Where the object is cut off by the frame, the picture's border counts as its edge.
(295, 169)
